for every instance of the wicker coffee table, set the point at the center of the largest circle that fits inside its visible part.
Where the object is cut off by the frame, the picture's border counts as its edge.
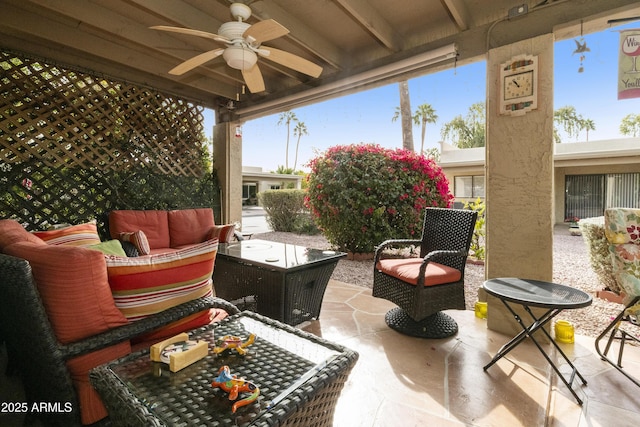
(300, 377)
(279, 280)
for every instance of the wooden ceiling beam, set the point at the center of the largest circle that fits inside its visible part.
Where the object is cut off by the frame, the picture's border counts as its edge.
(98, 47)
(178, 14)
(458, 12)
(301, 34)
(374, 23)
(112, 21)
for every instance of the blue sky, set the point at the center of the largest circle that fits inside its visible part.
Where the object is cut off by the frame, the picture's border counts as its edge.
(366, 116)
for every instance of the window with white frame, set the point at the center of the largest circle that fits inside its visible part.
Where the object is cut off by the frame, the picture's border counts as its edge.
(468, 186)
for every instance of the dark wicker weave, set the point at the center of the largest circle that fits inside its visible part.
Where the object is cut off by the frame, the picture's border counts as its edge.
(139, 392)
(39, 357)
(291, 296)
(446, 237)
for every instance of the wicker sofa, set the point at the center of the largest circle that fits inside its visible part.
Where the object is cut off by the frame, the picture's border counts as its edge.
(59, 319)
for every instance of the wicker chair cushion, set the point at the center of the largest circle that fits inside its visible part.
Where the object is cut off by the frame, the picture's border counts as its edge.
(91, 407)
(224, 233)
(408, 270)
(72, 282)
(138, 239)
(153, 223)
(149, 284)
(189, 226)
(75, 235)
(12, 232)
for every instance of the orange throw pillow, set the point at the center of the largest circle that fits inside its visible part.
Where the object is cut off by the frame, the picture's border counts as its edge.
(72, 282)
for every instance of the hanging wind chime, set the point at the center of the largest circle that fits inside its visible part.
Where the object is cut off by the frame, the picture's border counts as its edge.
(581, 48)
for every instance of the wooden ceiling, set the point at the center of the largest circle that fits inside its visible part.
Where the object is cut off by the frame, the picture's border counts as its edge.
(357, 42)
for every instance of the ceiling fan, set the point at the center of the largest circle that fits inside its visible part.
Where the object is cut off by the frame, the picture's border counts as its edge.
(243, 47)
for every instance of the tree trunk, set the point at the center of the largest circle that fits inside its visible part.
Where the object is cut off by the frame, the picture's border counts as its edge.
(405, 113)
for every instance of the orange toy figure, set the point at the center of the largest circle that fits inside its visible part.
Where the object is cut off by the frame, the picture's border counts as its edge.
(232, 342)
(234, 385)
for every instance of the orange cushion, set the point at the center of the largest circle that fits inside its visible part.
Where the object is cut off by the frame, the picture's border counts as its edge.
(153, 223)
(12, 232)
(408, 269)
(72, 282)
(91, 407)
(74, 235)
(189, 226)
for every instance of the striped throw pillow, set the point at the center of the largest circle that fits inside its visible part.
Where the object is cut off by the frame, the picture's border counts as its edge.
(147, 285)
(75, 235)
(224, 233)
(137, 239)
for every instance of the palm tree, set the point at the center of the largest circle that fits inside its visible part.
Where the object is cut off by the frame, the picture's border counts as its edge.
(630, 125)
(286, 117)
(299, 130)
(424, 114)
(588, 124)
(404, 112)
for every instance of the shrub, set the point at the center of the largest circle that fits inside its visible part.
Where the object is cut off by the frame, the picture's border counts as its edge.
(477, 240)
(285, 208)
(363, 194)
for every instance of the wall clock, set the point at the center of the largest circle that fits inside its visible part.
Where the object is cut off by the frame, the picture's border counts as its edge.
(519, 85)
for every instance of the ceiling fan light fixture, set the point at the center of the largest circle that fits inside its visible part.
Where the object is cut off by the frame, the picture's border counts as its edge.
(240, 58)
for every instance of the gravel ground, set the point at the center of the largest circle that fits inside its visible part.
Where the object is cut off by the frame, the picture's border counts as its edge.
(571, 267)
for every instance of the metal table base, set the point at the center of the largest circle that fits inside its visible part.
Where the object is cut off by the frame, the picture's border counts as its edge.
(533, 293)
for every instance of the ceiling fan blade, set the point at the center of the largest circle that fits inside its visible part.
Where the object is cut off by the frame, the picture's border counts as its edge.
(292, 61)
(196, 61)
(191, 32)
(253, 79)
(264, 31)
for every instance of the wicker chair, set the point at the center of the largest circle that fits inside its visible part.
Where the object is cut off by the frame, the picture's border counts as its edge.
(622, 230)
(40, 358)
(422, 287)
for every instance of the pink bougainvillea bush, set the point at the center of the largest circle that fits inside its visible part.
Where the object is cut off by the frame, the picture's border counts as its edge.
(363, 194)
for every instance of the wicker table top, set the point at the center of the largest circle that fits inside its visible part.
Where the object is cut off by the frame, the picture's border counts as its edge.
(296, 372)
(277, 256)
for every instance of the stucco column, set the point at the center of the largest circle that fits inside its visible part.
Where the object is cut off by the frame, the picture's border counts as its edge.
(519, 174)
(227, 153)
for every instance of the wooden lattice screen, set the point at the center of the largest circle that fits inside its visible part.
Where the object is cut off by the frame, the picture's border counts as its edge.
(74, 146)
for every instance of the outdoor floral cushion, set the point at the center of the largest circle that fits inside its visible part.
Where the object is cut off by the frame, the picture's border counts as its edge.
(408, 270)
(75, 235)
(138, 239)
(146, 285)
(622, 229)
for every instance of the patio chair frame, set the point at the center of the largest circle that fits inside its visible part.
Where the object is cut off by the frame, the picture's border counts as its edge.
(446, 238)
